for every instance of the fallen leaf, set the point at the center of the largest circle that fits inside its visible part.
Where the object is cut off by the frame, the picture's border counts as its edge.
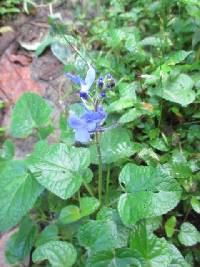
(16, 78)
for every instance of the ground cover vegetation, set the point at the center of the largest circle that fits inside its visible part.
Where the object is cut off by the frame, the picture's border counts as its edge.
(120, 187)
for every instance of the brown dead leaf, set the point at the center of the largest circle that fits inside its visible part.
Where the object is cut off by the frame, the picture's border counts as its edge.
(147, 106)
(15, 77)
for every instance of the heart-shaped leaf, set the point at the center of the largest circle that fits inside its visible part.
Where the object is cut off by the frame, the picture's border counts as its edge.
(31, 111)
(18, 195)
(150, 192)
(58, 253)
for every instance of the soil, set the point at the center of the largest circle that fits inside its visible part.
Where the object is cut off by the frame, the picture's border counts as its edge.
(22, 71)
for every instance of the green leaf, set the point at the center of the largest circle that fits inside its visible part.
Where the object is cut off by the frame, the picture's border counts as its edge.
(170, 226)
(88, 205)
(178, 90)
(20, 191)
(151, 251)
(59, 167)
(177, 57)
(20, 243)
(8, 150)
(101, 235)
(188, 235)
(159, 144)
(150, 192)
(31, 111)
(130, 115)
(112, 258)
(72, 213)
(50, 233)
(69, 214)
(122, 103)
(195, 204)
(114, 146)
(58, 253)
(177, 259)
(61, 52)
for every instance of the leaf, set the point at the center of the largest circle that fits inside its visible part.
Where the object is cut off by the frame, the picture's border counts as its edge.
(49, 233)
(114, 146)
(188, 235)
(177, 259)
(59, 167)
(150, 192)
(151, 41)
(20, 243)
(58, 253)
(170, 226)
(177, 57)
(61, 52)
(195, 204)
(130, 115)
(72, 213)
(100, 235)
(88, 205)
(20, 191)
(8, 150)
(159, 144)
(151, 251)
(120, 104)
(113, 258)
(178, 90)
(69, 214)
(31, 111)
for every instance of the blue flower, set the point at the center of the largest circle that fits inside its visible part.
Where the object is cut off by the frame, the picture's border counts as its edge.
(87, 124)
(84, 84)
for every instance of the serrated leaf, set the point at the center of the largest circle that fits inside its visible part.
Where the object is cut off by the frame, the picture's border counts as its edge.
(114, 146)
(49, 233)
(59, 167)
(58, 253)
(31, 111)
(170, 226)
(101, 235)
(151, 251)
(112, 258)
(150, 192)
(178, 90)
(20, 191)
(20, 243)
(188, 235)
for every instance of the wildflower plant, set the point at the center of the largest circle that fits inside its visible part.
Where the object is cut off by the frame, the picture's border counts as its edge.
(120, 185)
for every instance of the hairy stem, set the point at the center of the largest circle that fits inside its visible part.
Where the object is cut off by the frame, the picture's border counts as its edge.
(100, 171)
(108, 185)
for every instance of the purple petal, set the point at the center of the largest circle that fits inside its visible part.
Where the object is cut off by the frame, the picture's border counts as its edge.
(90, 77)
(82, 135)
(91, 126)
(76, 123)
(75, 79)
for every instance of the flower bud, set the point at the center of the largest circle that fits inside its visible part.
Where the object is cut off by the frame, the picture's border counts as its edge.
(100, 82)
(103, 94)
(83, 95)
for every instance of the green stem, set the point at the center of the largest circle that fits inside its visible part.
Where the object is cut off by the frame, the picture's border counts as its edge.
(88, 189)
(108, 185)
(100, 171)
